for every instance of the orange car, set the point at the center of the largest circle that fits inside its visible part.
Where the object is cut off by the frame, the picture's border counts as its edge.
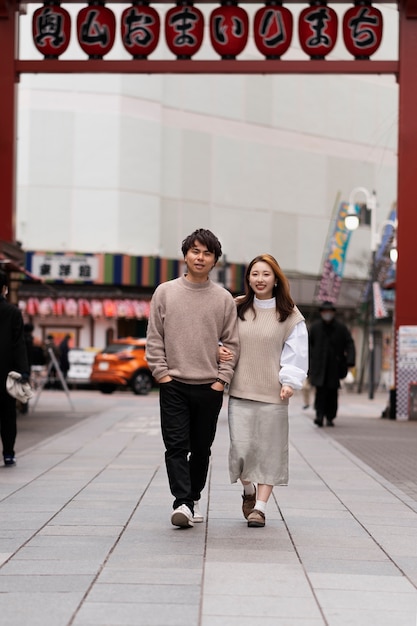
(122, 363)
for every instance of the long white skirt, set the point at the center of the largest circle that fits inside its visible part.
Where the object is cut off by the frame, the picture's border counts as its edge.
(258, 442)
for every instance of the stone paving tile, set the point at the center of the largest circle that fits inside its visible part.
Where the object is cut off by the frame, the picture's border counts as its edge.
(261, 606)
(134, 614)
(362, 617)
(53, 567)
(367, 600)
(177, 575)
(146, 593)
(239, 577)
(38, 609)
(344, 566)
(361, 582)
(43, 583)
(69, 530)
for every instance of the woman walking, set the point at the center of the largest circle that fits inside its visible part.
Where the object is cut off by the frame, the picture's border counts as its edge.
(273, 362)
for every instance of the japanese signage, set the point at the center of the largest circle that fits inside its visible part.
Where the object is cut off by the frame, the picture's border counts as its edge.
(407, 346)
(229, 29)
(66, 268)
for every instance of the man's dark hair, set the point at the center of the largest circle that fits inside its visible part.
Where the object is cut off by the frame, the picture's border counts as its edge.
(3, 279)
(207, 238)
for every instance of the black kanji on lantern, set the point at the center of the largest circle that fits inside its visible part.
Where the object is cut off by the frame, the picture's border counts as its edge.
(362, 30)
(317, 30)
(229, 29)
(96, 27)
(184, 29)
(140, 27)
(51, 29)
(273, 25)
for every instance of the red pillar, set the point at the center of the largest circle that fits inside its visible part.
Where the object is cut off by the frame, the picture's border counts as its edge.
(8, 44)
(406, 291)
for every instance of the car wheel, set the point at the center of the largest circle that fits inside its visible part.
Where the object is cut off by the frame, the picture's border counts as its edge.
(106, 388)
(141, 383)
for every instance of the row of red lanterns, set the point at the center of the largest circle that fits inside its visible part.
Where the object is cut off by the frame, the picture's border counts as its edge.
(229, 29)
(81, 307)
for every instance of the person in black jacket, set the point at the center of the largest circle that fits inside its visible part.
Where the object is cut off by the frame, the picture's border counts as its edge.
(13, 357)
(331, 353)
(64, 349)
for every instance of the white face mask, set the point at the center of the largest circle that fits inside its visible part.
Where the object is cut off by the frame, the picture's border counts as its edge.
(327, 316)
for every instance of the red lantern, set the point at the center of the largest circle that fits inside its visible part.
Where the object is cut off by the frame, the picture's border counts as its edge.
(273, 25)
(109, 308)
(362, 30)
(317, 30)
(51, 30)
(96, 29)
(184, 30)
(140, 26)
(229, 29)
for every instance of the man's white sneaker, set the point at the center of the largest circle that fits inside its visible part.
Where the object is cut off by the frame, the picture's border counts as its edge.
(182, 516)
(198, 516)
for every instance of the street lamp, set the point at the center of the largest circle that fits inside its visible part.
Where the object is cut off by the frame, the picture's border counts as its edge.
(352, 223)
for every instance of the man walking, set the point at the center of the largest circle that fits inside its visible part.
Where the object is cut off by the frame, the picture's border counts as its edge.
(189, 316)
(332, 352)
(13, 357)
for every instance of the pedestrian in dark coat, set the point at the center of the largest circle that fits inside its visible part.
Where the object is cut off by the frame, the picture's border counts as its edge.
(331, 353)
(13, 357)
(64, 349)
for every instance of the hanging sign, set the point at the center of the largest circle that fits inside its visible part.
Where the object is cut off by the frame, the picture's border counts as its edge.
(317, 30)
(184, 30)
(229, 29)
(51, 30)
(362, 30)
(96, 30)
(272, 30)
(65, 267)
(140, 26)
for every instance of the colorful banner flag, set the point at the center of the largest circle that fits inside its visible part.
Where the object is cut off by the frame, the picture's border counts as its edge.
(334, 262)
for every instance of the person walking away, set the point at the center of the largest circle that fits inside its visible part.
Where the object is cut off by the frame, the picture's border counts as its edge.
(273, 362)
(188, 317)
(332, 352)
(13, 357)
(63, 350)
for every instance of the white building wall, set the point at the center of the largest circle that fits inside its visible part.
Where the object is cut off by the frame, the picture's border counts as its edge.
(133, 164)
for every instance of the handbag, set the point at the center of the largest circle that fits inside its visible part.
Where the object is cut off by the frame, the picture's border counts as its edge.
(17, 389)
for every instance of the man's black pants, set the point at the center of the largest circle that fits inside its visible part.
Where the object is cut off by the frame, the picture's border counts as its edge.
(189, 416)
(7, 422)
(326, 402)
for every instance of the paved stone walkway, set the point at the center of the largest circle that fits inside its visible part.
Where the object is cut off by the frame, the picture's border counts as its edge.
(85, 537)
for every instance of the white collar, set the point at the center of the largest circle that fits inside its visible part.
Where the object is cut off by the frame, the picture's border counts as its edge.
(265, 304)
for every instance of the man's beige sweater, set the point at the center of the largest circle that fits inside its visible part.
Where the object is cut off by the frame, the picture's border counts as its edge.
(187, 320)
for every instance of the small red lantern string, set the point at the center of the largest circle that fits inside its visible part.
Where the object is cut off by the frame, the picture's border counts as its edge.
(229, 29)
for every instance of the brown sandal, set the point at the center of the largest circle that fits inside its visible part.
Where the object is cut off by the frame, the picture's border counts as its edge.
(256, 519)
(248, 503)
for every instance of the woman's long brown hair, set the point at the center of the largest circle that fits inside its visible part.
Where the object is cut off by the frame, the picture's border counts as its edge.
(283, 300)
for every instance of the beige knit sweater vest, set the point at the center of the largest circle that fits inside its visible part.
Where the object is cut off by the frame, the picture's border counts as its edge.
(262, 338)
